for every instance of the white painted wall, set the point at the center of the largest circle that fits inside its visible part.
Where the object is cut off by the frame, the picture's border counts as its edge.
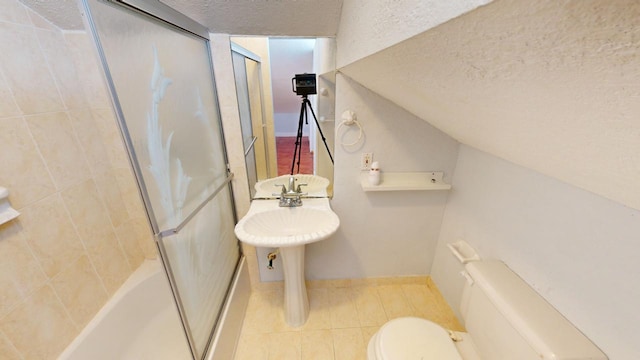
(368, 26)
(550, 85)
(383, 233)
(286, 124)
(577, 249)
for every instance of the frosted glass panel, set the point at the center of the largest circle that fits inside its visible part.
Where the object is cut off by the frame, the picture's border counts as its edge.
(198, 268)
(162, 78)
(169, 116)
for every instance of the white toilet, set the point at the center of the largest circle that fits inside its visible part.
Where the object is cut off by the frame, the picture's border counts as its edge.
(505, 319)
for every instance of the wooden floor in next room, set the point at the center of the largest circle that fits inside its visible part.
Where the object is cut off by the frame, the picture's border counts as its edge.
(285, 145)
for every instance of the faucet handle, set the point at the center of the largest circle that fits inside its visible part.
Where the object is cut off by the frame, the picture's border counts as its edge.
(298, 190)
(282, 190)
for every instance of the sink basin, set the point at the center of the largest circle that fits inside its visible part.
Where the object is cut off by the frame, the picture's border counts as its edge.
(316, 185)
(289, 229)
(287, 226)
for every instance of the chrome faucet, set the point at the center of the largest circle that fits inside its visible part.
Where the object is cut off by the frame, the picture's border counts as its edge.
(291, 197)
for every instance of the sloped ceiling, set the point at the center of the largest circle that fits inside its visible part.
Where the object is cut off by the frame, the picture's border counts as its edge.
(237, 17)
(550, 85)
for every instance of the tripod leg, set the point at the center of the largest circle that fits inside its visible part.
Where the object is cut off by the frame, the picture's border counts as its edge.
(300, 132)
(298, 147)
(324, 140)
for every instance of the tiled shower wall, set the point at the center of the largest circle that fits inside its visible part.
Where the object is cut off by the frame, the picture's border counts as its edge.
(83, 229)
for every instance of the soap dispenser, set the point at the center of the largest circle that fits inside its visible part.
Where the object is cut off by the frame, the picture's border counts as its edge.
(374, 174)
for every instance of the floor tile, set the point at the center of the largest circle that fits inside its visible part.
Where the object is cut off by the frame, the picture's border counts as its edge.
(349, 344)
(343, 316)
(394, 301)
(344, 313)
(370, 309)
(285, 346)
(317, 345)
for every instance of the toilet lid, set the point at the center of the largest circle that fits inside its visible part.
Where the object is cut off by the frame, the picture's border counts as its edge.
(413, 338)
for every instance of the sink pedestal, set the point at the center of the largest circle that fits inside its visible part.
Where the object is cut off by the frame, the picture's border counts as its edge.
(296, 302)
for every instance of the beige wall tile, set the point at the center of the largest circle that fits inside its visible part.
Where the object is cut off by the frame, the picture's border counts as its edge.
(111, 137)
(317, 345)
(39, 328)
(130, 194)
(60, 62)
(80, 291)
(23, 170)
(344, 313)
(88, 69)
(370, 309)
(90, 140)
(348, 344)
(285, 346)
(26, 71)
(131, 235)
(107, 185)
(57, 142)
(93, 224)
(20, 273)
(50, 234)
(13, 11)
(8, 105)
(87, 212)
(110, 261)
(7, 350)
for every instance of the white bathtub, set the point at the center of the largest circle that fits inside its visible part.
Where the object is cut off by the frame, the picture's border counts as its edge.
(139, 322)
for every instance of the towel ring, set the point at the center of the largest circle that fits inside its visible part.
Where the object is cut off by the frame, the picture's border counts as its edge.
(349, 118)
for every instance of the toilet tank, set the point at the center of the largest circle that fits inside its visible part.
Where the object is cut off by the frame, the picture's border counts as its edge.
(507, 319)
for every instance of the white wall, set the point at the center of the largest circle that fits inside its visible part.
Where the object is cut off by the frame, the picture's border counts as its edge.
(286, 124)
(577, 249)
(549, 85)
(382, 233)
(368, 26)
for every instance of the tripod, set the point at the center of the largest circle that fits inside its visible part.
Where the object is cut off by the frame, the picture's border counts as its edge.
(303, 116)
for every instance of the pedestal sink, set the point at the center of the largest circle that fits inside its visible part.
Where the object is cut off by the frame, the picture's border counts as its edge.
(289, 229)
(316, 185)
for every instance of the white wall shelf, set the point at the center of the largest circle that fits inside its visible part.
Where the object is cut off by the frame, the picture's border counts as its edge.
(403, 181)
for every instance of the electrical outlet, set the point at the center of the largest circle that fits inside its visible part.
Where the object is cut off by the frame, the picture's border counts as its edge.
(365, 162)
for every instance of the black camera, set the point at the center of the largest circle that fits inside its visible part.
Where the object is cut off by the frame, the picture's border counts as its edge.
(304, 84)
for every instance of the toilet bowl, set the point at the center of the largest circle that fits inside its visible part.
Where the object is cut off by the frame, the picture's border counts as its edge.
(504, 317)
(414, 338)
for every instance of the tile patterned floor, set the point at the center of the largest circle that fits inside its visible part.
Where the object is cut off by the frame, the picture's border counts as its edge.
(285, 147)
(344, 314)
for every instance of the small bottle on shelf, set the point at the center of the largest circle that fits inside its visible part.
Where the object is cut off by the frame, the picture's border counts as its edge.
(374, 174)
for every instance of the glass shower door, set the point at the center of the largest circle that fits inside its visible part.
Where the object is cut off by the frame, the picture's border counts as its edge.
(162, 85)
(247, 73)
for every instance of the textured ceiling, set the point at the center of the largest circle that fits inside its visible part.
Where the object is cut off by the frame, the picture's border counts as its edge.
(238, 17)
(550, 85)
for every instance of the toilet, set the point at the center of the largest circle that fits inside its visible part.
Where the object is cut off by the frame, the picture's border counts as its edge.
(505, 320)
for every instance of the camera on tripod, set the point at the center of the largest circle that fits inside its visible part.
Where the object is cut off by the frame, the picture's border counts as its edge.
(304, 84)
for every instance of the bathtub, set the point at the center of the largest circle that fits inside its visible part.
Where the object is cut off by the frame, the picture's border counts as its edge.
(139, 322)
